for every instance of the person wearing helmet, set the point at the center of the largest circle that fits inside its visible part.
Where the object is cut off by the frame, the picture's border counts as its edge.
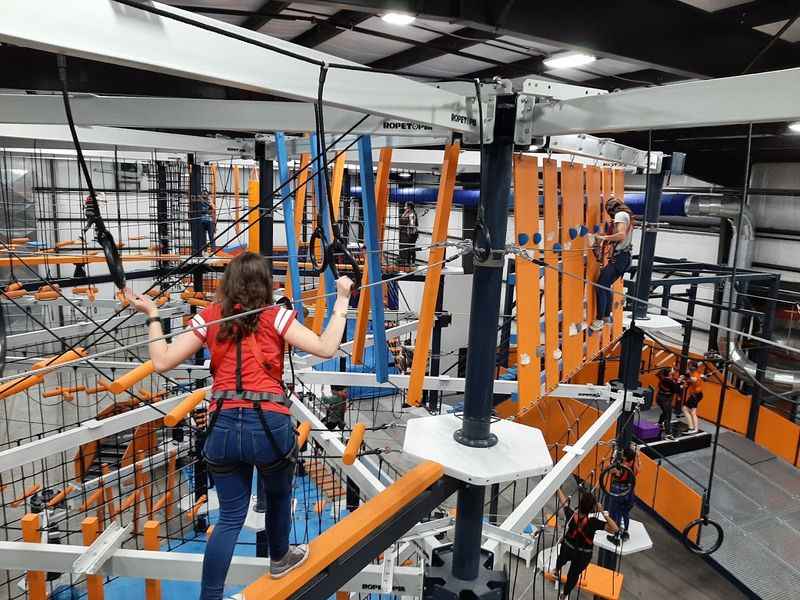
(616, 245)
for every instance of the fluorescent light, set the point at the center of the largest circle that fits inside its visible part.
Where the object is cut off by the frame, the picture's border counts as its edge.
(795, 126)
(398, 18)
(568, 60)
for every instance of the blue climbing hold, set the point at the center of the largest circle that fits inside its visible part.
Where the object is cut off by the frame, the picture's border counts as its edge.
(522, 238)
(557, 247)
(537, 238)
(573, 233)
(583, 230)
(596, 229)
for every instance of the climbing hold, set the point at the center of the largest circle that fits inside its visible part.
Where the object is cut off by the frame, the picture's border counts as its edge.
(583, 230)
(524, 359)
(556, 247)
(573, 233)
(522, 238)
(596, 228)
(537, 238)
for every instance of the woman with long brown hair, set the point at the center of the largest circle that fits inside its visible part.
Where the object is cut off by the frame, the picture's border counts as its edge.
(250, 424)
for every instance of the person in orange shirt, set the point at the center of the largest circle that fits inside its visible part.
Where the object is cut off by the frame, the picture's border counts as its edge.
(694, 394)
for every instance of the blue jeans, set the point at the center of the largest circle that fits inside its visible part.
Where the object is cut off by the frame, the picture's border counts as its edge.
(236, 445)
(615, 269)
(202, 228)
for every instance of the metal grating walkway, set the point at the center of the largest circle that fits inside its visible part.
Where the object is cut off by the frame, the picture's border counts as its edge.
(758, 506)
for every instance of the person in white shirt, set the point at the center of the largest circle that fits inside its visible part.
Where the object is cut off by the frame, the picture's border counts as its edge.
(616, 251)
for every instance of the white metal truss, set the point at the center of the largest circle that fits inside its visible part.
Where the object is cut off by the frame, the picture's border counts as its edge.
(101, 138)
(120, 34)
(756, 98)
(91, 561)
(181, 566)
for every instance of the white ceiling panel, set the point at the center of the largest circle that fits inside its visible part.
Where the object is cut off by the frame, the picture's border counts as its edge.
(361, 47)
(414, 34)
(609, 66)
(319, 9)
(571, 74)
(494, 53)
(790, 35)
(440, 27)
(448, 66)
(713, 5)
(286, 30)
(539, 47)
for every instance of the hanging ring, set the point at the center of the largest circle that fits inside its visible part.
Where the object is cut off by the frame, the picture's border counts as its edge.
(699, 524)
(617, 490)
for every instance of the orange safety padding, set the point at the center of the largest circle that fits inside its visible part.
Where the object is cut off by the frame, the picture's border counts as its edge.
(526, 223)
(647, 480)
(572, 285)
(253, 217)
(593, 210)
(345, 534)
(675, 501)
(36, 581)
(597, 581)
(187, 405)
(381, 201)
(735, 413)
(90, 528)
(444, 203)
(354, 444)
(551, 290)
(300, 195)
(777, 434)
(132, 377)
(237, 199)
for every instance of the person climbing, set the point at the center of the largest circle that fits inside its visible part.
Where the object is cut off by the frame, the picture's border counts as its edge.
(694, 394)
(409, 232)
(577, 545)
(248, 403)
(616, 251)
(620, 502)
(202, 217)
(668, 387)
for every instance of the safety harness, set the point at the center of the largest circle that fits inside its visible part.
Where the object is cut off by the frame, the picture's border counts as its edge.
(257, 398)
(579, 531)
(608, 250)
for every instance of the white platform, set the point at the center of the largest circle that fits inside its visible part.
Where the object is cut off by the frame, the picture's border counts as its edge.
(520, 452)
(652, 322)
(639, 540)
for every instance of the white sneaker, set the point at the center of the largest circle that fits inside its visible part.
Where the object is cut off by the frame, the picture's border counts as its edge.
(597, 325)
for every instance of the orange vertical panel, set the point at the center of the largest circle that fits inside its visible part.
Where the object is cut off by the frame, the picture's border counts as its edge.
(646, 480)
(320, 306)
(592, 266)
(675, 501)
(37, 588)
(444, 203)
(253, 217)
(778, 435)
(336, 185)
(606, 186)
(572, 267)
(94, 583)
(300, 196)
(382, 201)
(552, 350)
(619, 288)
(152, 587)
(214, 178)
(526, 222)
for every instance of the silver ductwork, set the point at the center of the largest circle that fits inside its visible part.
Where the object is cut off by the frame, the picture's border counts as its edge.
(709, 206)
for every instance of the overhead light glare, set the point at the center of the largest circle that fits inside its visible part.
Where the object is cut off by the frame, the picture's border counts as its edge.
(795, 126)
(401, 19)
(568, 60)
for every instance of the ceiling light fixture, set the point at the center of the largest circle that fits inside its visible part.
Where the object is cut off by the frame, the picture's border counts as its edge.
(795, 126)
(568, 60)
(398, 18)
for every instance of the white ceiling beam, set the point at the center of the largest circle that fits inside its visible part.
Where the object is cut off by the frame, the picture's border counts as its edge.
(120, 34)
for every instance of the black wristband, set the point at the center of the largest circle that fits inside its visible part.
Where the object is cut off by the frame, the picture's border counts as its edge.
(153, 320)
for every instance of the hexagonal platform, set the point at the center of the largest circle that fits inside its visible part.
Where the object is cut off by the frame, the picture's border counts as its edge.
(520, 452)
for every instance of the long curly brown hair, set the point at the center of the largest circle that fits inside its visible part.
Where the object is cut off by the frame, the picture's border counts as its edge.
(246, 285)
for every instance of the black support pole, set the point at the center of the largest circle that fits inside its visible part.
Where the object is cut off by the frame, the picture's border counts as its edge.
(265, 203)
(762, 358)
(436, 347)
(487, 281)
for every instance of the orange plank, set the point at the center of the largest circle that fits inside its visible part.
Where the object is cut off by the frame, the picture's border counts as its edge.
(152, 587)
(19, 501)
(618, 180)
(253, 217)
(237, 199)
(593, 209)
(606, 189)
(300, 195)
(382, 201)
(572, 286)
(343, 536)
(354, 444)
(526, 223)
(444, 203)
(597, 581)
(90, 528)
(214, 176)
(37, 588)
(336, 185)
(551, 276)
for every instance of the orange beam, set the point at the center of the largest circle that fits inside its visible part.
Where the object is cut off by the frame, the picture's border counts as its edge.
(336, 185)
(618, 183)
(19, 501)
(551, 258)
(572, 285)
(90, 528)
(152, 587)
(192, 512)
(132, 377)
(237, 199)
(253, 217)
(300, 196)
(444, 203)
(302, 433)
(526, 222)
(36, 582)
(60, 496)
(593, 217)
(94, 498)
(343, 536)
(606, 189)
(382, 202)
(187, 405)
(354, 444)
(214, 175)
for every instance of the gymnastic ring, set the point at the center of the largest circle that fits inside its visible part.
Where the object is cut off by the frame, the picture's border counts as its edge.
(604, 475)
(481, 242)
(317, 237)
(340, 249)
(113, 259)
(696, 548)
